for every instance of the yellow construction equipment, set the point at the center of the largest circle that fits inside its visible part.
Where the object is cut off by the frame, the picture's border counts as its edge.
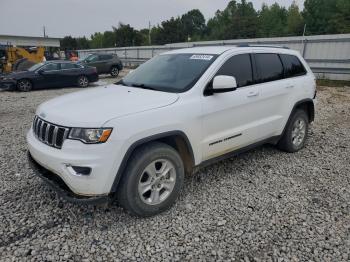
(15, 54)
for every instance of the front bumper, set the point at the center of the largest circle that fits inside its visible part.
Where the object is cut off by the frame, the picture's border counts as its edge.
(59, 186)
(103, 159)
(8, 84)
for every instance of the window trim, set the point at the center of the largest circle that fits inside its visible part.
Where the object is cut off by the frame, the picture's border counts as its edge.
(210, 82)
(258, 75)
(284, 68)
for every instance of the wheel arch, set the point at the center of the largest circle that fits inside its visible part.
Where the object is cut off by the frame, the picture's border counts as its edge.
(305, 104)
(308, 106)
(176, 139)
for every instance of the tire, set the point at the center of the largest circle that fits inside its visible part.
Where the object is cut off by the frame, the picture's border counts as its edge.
(295, 134)
(83, 81)
(142, 190)
(114, 71)
(24, 85)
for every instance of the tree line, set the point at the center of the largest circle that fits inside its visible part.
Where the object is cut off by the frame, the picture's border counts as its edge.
(238, 20)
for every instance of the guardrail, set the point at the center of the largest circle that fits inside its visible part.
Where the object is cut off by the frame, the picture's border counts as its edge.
(327, 55)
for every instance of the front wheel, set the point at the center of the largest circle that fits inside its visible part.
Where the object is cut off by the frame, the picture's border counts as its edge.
(83, 81)
(24, 85)
(152, 181)
(295, 134)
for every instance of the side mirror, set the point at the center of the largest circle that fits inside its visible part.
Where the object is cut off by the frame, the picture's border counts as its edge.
(222, 84)
(41, 71)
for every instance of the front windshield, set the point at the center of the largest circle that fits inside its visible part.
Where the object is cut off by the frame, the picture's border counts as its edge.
(170, 73)
(35, 67)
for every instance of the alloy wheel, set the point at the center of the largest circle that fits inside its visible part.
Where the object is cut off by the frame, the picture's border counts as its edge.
(298, 132)
(157, 182)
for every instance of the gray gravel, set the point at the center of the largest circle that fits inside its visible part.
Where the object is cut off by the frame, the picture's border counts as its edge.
(263, 205)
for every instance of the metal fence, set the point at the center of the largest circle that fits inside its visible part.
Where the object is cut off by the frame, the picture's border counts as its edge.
(327, 55)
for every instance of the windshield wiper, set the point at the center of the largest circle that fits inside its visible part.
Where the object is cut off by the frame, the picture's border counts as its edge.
(143, 86)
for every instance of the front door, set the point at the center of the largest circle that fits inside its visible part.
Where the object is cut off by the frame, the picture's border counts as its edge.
(48, 76)
(231, 120)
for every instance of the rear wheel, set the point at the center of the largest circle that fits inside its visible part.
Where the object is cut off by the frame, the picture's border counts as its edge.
(114, 71)
(83, 81)
(24, 85)
(295, 134)
(152, 181)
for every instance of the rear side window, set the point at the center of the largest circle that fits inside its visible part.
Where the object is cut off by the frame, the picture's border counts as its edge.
(239, 66)
(269, 67)
(292, 66)
(68, 66)
(105, 57)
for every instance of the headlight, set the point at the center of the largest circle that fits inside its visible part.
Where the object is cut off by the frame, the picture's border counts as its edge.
(8, 79)
(90, 135)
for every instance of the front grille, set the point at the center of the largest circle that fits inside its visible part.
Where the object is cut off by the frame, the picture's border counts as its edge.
(48, 133)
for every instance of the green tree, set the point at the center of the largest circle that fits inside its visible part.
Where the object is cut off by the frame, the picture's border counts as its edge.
(82, 43)
(272, 21)
(295, 21)
(341, 18)
(319, 16)
(109, 39)
(193, 24)
(96, 40)
(68, 43)
(125, 35)
(238, 20)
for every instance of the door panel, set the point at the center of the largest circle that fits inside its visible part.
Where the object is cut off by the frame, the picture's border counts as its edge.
(48, 76)
(231, 121)
(275, 92)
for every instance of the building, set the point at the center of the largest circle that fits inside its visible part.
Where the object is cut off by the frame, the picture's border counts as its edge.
(25, 41)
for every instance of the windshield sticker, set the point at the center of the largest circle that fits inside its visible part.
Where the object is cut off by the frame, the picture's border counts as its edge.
(202, 57)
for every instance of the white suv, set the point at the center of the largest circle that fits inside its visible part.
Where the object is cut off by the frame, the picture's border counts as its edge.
(136, 139)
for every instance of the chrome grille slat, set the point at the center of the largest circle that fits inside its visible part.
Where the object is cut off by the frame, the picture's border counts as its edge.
(54, 136)
(49, 133)
(41, 130)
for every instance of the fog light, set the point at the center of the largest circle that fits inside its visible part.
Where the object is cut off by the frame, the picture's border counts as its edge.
(78, 170)
(82, 170)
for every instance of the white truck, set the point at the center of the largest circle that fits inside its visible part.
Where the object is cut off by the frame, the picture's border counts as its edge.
(136, 139)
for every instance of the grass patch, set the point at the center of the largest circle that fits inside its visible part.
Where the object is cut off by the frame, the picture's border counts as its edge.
(335, 83)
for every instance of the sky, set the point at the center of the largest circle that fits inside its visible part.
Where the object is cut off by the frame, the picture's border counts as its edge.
(84, 17)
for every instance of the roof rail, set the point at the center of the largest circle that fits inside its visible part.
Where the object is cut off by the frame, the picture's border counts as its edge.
(269, 46)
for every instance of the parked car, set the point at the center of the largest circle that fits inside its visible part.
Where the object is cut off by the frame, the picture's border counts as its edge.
(105, 63)
(50, 74)
(181, 110)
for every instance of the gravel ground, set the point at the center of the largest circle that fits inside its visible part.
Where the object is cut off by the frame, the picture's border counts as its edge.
(263, 205)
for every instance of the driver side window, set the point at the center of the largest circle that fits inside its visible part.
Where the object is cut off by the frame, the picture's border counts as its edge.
(240, 67)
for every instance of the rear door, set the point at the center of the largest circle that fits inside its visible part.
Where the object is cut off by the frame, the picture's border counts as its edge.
(105, 63)
(275, 92)
(69, 74)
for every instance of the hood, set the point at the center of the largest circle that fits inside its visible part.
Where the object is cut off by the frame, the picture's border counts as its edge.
(95, 106)
(18, 74)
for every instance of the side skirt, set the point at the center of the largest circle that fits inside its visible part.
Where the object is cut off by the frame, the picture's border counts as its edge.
(273, 140)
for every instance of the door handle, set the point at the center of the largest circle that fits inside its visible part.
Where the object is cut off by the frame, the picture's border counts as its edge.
(289, 86)
(253, 94)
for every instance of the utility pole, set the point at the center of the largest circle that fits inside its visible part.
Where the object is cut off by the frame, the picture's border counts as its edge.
(44, 29)
(304, 30)
(149, 33)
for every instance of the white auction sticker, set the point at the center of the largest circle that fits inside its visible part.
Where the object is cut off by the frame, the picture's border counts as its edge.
(202, 57)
